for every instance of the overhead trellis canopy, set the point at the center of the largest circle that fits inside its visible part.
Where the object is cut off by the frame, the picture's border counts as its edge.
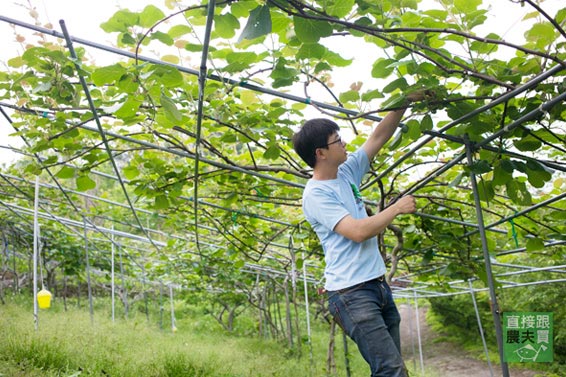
(162, 112)
(193, 168)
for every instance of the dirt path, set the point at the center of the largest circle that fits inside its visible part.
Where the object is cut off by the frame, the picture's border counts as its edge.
(442, 359)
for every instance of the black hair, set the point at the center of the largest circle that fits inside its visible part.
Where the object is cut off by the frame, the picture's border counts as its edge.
(313, 134)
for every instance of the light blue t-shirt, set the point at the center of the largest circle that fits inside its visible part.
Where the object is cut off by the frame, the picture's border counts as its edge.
(327, 202)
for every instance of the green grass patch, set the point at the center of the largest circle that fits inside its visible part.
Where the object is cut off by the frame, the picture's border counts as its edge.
(67, 343)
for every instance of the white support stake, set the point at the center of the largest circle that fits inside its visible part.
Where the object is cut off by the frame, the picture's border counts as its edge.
(419, 333)
(480, 327)
(173, 327)
(307, 305)
(112, 276)
(35, 252)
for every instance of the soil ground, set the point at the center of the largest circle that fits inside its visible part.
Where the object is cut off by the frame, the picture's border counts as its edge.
(442, 358)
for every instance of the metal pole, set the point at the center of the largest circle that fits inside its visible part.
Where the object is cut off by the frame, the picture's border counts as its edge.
(89, 287)
(112, 276)
(173, 327)
(480, 327)
(124, 291)
(35, 248)
(487, 261)
(305, 284)
(421, 359)
(160, 305)
(412, 335)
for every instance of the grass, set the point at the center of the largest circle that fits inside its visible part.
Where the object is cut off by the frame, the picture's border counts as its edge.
(67, 343)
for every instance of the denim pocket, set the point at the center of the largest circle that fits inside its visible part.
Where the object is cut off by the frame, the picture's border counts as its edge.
(335, 311)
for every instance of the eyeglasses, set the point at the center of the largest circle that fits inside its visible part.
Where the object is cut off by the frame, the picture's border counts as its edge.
(339, 140)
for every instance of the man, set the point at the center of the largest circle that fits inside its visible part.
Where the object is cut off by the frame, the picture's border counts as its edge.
(359, 298)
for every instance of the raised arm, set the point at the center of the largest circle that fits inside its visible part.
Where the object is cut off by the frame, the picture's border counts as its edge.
(386, 128)
(383, 132)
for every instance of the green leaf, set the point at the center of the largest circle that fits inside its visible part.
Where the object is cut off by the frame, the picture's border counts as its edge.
(399, 83)
(258, 25)
(372, 94)
(414, 129)
(168, 76)
(485, 48)
(283, 75)
(66, 172)
(126, 39)
(541, 34)
(427, 257)
(349, 96)
(518, 192)
(84, 183)
(161, 202)
(336, 60)
(51, 160)
(426, 123)
(322, 67)
(162, 37)
(242, 9)
(311, 50)
(456, 181)
(171, 111)
(480, 167)
(500, 175)
(193, 47)
(528, 143)
(310, 31)
(485, 191)
(107, 75)
(382, 68)
(396, 141)
(130, 172)
(534, 244)
(537, 174)
(225, 25)
(467, 6)
(179, 30)
(246, 58)
(229, 138)
(507, 166)
(273, 152)
(393, 101)
(120, 22)
(128, 109)
(340, 8)
(150, 16)
(16, 62)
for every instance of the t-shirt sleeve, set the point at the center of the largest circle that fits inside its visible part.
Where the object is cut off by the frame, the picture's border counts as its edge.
(356, 166)
(324, 207)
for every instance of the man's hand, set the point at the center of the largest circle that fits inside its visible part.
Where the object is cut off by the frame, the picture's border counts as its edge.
(420, 95)
(406, 204)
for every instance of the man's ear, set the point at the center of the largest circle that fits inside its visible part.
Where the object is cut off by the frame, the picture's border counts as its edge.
(319, 153)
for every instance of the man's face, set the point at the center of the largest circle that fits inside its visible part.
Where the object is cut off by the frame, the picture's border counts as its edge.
(336, 148)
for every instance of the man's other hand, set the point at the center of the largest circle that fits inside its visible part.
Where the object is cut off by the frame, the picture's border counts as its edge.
(406, 204)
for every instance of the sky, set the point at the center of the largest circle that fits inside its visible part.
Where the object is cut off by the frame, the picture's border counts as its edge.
(83, 19)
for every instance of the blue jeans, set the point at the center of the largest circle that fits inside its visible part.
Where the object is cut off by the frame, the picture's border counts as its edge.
(367, 313)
